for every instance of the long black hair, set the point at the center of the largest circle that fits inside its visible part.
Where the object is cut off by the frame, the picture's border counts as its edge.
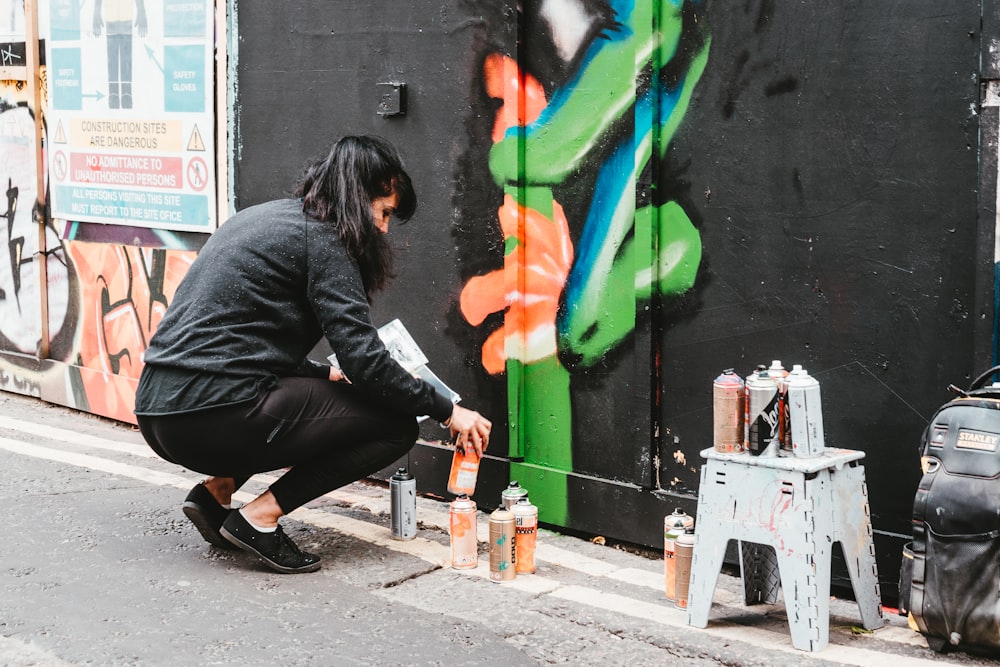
(340, 189)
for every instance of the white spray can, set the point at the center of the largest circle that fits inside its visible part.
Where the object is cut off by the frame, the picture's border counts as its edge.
(403, 505)
(805, 413)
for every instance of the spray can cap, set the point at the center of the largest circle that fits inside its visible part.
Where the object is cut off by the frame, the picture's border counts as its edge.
(513, 489)
(501, 513)
(402, 474)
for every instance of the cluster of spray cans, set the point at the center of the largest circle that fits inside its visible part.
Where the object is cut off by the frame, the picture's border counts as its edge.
(513, 534)
(513, 531)
(678, 550)
(773, 412)
(513, 527)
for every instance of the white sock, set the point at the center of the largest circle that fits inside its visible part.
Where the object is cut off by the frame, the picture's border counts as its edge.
(259, 529)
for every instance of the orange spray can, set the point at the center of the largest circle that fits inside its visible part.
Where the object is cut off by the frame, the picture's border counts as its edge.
(673, 525)
(526, 527)
(462, 527)
(464, 471)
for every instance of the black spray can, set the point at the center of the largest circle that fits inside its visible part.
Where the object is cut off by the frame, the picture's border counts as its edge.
(763, 414)
(403, 505)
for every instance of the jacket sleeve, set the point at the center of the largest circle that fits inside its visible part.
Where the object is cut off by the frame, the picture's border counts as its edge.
(338, 300)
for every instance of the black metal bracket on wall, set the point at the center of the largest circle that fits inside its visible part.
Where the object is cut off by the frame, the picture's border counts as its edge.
(392, 99)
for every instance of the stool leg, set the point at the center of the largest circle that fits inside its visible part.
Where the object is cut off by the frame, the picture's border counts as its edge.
(855, 535)
(864, 581)
(805, 581)
(709, 551)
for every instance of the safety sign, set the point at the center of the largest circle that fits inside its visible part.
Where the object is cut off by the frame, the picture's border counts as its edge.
(130, 117)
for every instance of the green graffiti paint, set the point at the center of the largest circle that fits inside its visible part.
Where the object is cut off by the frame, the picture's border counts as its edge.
(604, 93)
(603, 317)
(679, 252)
(644, 252)
(540, 421)
(539, 408)
(547, 418)
(698, 64)
(547, 490)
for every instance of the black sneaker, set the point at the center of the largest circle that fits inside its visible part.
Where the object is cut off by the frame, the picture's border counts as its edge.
(276, 549)
(207, 515)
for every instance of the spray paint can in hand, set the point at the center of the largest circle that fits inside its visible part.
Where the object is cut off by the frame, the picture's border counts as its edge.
(806, 414)
(526, 528)
(512, 494)
(728, 394)
(403, 505)
(503, 545)
(685, 553)
(462, 527)
(464, 471)
(673, 526)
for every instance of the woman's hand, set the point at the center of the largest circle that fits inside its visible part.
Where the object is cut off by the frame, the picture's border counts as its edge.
(337, 375)
(470, 428)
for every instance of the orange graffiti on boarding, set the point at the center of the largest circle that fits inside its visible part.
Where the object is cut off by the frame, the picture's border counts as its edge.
(528, 286)
(539, 249)
(523, 96)
(124, 293)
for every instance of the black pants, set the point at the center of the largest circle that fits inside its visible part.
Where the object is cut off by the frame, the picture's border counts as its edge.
(323, 431)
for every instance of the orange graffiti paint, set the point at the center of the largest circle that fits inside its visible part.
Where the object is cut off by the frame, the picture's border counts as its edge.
(523, 96)
(528, 286)
(124, 292)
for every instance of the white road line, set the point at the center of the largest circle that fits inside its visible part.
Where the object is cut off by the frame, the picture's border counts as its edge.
(729, 631)
(439, 555)
(95, 463)
(16, 652)
(74, 437)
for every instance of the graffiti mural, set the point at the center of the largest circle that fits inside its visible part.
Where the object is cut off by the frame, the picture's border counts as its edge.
(20, 296)
(115, 296)
(601, 102)
(103, 298)
(124, 292)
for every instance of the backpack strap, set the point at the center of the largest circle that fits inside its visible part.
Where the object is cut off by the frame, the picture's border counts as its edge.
(919, 547)
(919, 513)
(981, 380)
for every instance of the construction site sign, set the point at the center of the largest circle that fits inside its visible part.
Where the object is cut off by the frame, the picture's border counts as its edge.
(130, 117)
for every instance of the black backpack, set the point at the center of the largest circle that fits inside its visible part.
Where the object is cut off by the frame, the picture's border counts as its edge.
(950, 577)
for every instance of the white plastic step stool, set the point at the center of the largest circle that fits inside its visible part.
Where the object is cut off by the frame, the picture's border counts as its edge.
(799, 507)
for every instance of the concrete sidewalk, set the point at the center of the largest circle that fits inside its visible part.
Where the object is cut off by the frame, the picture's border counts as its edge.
(586, 604)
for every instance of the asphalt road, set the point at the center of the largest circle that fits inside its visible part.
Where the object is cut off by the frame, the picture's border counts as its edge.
(98, 566)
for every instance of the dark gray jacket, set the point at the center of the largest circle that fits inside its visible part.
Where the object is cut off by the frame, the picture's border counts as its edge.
(264, 289)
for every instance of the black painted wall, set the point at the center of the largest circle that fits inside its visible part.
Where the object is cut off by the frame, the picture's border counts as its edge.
(310, 73)
(832, 154)
(830, 160)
